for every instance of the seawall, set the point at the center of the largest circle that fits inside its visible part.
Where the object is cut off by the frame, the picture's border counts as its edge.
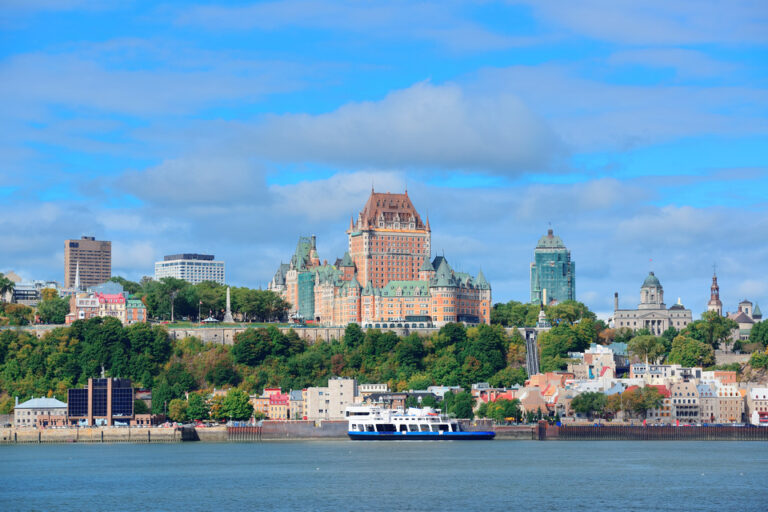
(90, 435)
(640, 433)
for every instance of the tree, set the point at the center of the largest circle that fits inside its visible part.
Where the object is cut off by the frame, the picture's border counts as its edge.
(508, 377)
(140, 407)
(251, 346)
(687, 351)
(53, 309)
(177, 410)
(6, 285)
(589, 403)
(353, 335)
(19, 314)
(712, 329)
(647, 348)
(502, 410)
(236, 405)
(460, 404)
(759, 333)
(197, 409)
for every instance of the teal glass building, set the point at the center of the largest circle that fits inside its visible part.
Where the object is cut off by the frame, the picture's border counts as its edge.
(552, 271)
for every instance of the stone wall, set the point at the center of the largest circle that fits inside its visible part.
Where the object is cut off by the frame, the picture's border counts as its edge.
(89, 435)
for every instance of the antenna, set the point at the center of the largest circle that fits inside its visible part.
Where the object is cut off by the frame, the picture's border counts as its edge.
(714, 269)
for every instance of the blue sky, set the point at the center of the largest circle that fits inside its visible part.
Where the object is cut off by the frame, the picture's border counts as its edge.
(637, 129)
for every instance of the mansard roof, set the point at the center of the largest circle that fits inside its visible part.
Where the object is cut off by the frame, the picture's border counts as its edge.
(301, 255)
(387, 206)
(408, 288)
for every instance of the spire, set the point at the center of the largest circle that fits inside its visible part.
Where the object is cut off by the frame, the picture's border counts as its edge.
(427, 225)
(714, 303)
(351, 223)
(481, 281)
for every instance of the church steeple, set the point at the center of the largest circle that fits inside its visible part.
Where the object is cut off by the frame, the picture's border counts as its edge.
(714, 303)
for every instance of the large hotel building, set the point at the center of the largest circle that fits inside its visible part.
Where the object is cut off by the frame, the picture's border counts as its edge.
(193, 268)
(88, 258)
(386, 278)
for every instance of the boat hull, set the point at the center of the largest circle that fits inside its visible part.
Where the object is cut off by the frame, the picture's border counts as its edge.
(421, 436)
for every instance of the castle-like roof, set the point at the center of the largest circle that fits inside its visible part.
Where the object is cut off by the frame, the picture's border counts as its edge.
(346, 261)
(550, 241)
(651, 281)
(443, 275)
(387, 206)
(426, 266)
(756, 313)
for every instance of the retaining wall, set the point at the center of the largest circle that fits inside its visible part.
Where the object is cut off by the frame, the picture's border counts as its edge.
(640, 433)
(90, 435)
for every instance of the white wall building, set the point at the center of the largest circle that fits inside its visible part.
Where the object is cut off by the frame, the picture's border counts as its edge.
(193, 268)
(26, 414)
(328, 403)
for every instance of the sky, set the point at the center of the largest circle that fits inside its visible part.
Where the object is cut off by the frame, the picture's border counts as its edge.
(637, 130)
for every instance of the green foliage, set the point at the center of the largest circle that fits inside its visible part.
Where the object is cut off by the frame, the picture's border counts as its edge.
(236, 405)
(589, 403)
(508, 377)
(647, 348)
(353, 336)
(516, 314)
(688, 351)
(6, 285)
(252, 346)
(460, 404)
(555, 345)
(19, 314)
(759, 333)
(140, 407)
(197, 408)
(712, 329)
(177, 410)
(501, 411)
(759, 360)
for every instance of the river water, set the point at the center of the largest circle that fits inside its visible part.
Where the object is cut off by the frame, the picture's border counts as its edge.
(403, 475)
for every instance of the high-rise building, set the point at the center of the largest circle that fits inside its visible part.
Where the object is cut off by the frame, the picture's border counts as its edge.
(193, 268)
(389, 241)
(553, 274)
(88, 258)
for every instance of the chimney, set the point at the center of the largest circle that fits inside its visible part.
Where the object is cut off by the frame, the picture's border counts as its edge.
(615, 301)
(17, 401)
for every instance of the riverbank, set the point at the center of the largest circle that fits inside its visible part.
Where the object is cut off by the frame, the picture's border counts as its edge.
(337, 430)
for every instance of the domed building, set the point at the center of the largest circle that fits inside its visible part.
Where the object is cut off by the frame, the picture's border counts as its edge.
(651, 313)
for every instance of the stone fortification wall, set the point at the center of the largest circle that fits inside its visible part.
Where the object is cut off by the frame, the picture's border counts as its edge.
(226, 335)
(90, 435)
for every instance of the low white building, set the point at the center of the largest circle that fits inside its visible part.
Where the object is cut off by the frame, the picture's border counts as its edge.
(328, 403)
(757, 406)
(27, 413)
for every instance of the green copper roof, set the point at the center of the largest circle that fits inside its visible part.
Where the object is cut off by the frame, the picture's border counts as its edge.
(443, 275)
(408, 288)
(756, 311)
(346, 261)
(481, 282)
(550, 241)
(426, 266)
(651, 281)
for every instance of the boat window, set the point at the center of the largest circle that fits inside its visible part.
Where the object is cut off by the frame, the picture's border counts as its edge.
(403, 427)
(413, 428)
(424, 428)
(443, 427)
(386, 427)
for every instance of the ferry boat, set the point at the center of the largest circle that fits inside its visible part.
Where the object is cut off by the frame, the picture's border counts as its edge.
(370, 422)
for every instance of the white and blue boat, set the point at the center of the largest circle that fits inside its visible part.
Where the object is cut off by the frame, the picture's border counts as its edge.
(374, 423)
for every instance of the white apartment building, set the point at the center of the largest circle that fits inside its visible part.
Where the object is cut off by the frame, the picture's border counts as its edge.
(193, 268)
(329, 403)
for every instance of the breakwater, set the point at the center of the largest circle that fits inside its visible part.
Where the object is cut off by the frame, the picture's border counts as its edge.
(648, 433)
(90, 435)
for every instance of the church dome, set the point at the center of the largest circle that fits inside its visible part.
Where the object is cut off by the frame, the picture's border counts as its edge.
(550, 241)
(651, 281)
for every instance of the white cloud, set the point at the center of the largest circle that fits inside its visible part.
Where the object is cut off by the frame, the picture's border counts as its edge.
(687, 63)
(659, 21)
(423, 126)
